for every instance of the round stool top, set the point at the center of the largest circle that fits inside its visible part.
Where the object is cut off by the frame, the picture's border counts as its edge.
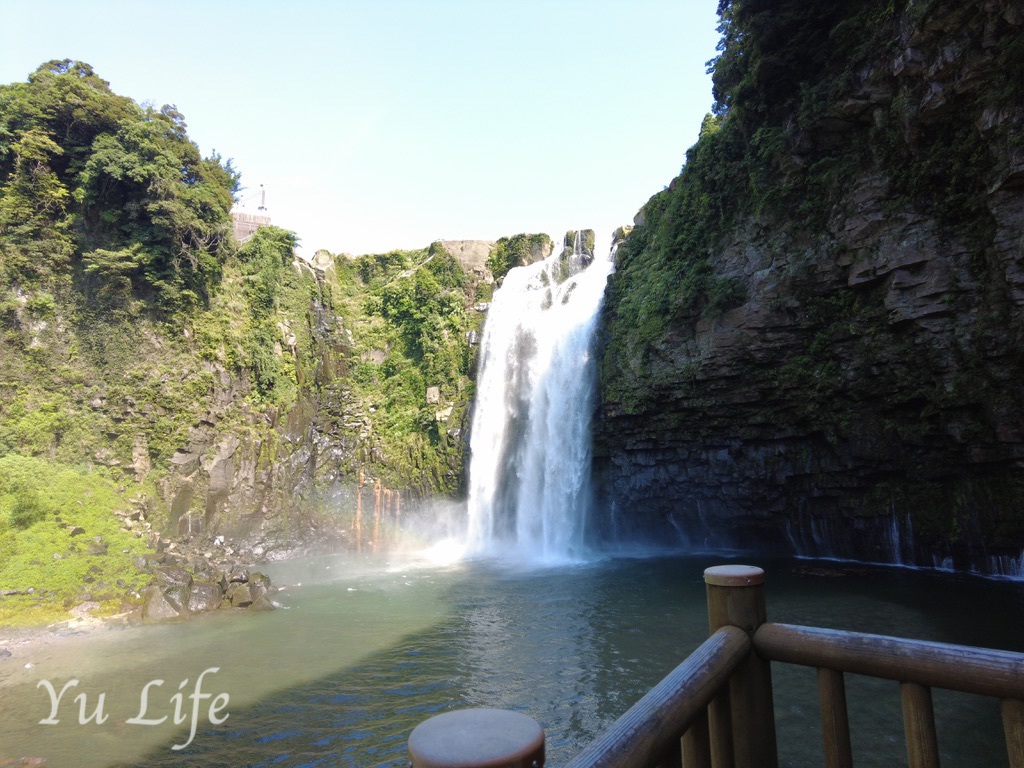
(734, 575)
(477, 738)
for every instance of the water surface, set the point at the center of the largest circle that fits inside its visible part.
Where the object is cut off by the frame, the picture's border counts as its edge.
(363, 651)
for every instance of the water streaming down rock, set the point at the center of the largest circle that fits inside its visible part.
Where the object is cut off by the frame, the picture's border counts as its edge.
(530, 447)
(890, 540)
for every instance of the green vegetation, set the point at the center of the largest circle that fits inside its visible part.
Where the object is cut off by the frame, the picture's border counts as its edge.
(780, 67)
(133, 329)
(117, 192)
(664, 272)
(410, 314)
(775, 155)
(516, 251)
(271, 283)
(61, 541)
(127, 316)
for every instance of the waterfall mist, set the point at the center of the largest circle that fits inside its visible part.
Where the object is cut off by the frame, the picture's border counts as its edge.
(530, 444)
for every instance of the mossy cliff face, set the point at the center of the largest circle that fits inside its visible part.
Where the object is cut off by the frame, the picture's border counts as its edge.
(269, 416)
(813, 339)
(377, 356)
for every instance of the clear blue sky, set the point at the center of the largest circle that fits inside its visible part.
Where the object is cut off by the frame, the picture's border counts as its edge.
(380, 124)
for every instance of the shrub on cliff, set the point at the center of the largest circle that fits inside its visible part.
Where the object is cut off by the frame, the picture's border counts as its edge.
(96, 187)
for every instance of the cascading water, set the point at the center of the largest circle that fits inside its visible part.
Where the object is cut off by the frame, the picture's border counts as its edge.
(530, 449)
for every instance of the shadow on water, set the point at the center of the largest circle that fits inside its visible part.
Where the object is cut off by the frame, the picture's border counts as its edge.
(575, 646)
(567, 645)
(894, 601)
(353, 609)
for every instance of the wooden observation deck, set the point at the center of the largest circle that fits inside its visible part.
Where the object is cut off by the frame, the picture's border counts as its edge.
(715, 709)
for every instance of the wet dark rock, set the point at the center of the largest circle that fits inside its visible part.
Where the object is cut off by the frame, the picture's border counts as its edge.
(205, 596)
(862, 401)
(240, 594)
(177, 592)
(262, 603)
(255, 577)
(156, 606)
(175, 584)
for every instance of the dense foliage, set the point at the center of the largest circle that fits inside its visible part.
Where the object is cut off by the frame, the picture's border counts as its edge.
(135, 332)
(769, 86)
(117, 267)
(516, 251)
(97, 188)
(409, 313)
(60, 541)
(779, 149)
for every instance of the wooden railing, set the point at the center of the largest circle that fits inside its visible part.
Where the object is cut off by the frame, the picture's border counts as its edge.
(715, 709)
(733, 722)
(918, 666)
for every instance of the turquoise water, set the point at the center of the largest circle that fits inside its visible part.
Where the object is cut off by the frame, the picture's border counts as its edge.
(364, 650)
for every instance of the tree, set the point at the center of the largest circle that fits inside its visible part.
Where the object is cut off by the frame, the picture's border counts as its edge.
(33, 229)
(266, 258)
(85, 170)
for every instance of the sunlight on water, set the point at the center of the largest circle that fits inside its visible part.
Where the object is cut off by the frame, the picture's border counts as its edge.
(366, 648)
(444, 552)
(345, 611)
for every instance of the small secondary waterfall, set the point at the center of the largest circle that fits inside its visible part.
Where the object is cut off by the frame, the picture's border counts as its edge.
(530, 448)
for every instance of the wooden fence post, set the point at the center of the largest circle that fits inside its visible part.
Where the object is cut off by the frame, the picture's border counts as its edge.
(477, 738)
(919, 725)
(736, 597)
(835, 722)
(1013, 725)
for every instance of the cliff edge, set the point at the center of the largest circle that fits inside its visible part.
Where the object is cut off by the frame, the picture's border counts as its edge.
(813, 339)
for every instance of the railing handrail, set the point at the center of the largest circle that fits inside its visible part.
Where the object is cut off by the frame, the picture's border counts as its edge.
(653, 725)
(715, 708)
(965, 668)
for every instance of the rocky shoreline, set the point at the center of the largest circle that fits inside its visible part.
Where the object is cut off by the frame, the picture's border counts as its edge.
(200, 574)
(189, 576)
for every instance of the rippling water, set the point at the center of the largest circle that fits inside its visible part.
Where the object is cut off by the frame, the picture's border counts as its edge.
(364, 651)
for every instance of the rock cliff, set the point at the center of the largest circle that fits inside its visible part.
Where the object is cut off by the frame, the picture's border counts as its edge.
(377, 421)
(833, 366)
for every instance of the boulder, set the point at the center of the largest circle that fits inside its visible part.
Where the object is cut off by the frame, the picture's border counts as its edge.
(260, 579)
(96, 547)
(156, 606)
(471, 254)
(205, 596)
(262, 603)
(240, 594)
(175, 583)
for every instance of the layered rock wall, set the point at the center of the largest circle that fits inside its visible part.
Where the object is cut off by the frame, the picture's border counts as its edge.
(865, 397)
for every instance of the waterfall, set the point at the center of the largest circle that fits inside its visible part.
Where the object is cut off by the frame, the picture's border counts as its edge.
(894, 540)
(530, 452)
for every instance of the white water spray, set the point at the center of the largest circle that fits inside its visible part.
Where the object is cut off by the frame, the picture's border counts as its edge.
(530, 444)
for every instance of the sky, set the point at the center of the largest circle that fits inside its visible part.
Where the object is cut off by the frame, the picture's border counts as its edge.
(381, 124)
